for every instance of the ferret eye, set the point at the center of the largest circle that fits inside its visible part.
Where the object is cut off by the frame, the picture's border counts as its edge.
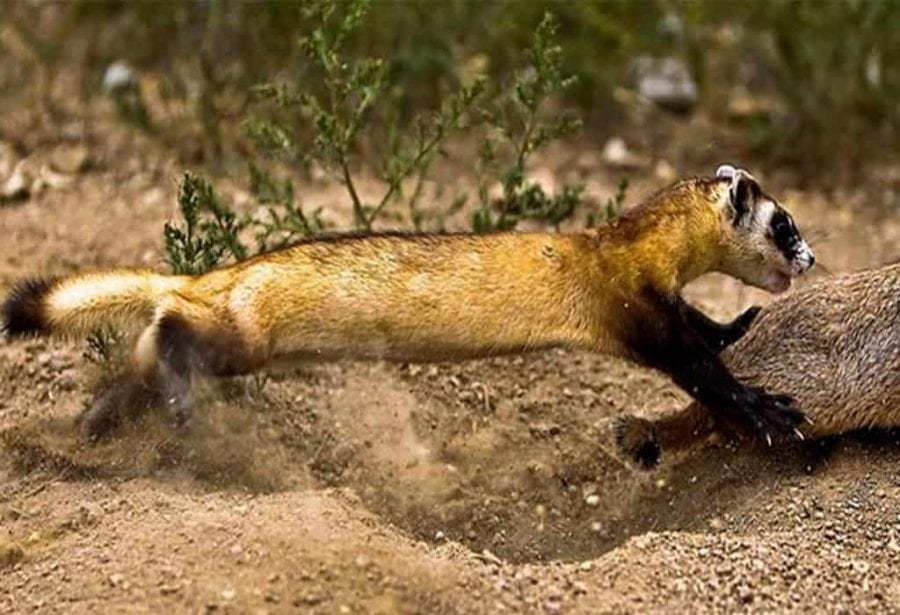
(781, 227)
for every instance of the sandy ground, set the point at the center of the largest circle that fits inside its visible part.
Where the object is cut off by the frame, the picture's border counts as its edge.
(481, 487)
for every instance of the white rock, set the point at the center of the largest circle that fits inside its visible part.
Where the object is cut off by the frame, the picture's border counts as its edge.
(119, 76)
(48, 178)
(617, 155)
(665, 171)
(70, 158)
(667, 82)
(18, 185)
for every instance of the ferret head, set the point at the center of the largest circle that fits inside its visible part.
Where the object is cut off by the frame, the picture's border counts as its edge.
(763, 247)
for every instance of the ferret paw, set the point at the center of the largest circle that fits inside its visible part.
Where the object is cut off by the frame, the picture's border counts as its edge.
(773, 416)
(181, 411)
(124, 399)
(106, 413)
(739, 327)
(636, 440)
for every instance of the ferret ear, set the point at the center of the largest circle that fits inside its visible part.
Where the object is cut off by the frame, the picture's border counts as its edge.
(725, 171)
(742, 194)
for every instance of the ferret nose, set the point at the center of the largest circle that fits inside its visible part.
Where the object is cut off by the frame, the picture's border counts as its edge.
(812, 260)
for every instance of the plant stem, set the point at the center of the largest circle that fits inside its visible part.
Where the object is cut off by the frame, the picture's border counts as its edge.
(414, 199)
(358, 213)
(395, 185)
(521, 154)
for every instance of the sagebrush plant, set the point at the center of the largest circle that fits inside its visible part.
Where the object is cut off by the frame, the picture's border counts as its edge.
(105, 347)
(823, 64)
(354, 94)
(521, 126)
(211, 231)
(611, 207)
(512, 122)
(281, 220)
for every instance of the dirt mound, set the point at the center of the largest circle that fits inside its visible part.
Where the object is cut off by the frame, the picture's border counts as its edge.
(441, 507)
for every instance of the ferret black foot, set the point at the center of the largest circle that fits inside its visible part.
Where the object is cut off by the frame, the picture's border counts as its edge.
(772, 416)
(637, 441)
(180, 410)
(714, 334)
(738, 328)
(125, 399)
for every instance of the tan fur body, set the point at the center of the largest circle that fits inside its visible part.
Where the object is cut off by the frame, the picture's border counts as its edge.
(834, 346)
(425, 298)
(452, 296)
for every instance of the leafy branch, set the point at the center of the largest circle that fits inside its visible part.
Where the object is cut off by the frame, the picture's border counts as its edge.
(523, 127)
(514, 123)
(210, 233)
(353, 89)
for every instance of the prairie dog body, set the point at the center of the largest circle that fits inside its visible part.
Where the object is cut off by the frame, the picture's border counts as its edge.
(456, 296)
(834, 346)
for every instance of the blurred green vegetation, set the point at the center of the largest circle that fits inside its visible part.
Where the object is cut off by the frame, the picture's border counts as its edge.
(512, 126)
(828, 72)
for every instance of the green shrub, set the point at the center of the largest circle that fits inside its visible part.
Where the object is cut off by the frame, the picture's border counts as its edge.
(353, 94)
(354, 104)
(519, 126)
(210, 234)
(516, 122)
(284, 221)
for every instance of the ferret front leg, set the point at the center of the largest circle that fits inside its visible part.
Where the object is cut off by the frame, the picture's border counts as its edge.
(662, 338)
(717, 336)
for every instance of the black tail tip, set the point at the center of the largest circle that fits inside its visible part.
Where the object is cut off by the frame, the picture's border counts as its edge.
(24, 312)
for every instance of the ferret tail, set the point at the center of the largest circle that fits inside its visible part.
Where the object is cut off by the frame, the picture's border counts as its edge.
(78, 304)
